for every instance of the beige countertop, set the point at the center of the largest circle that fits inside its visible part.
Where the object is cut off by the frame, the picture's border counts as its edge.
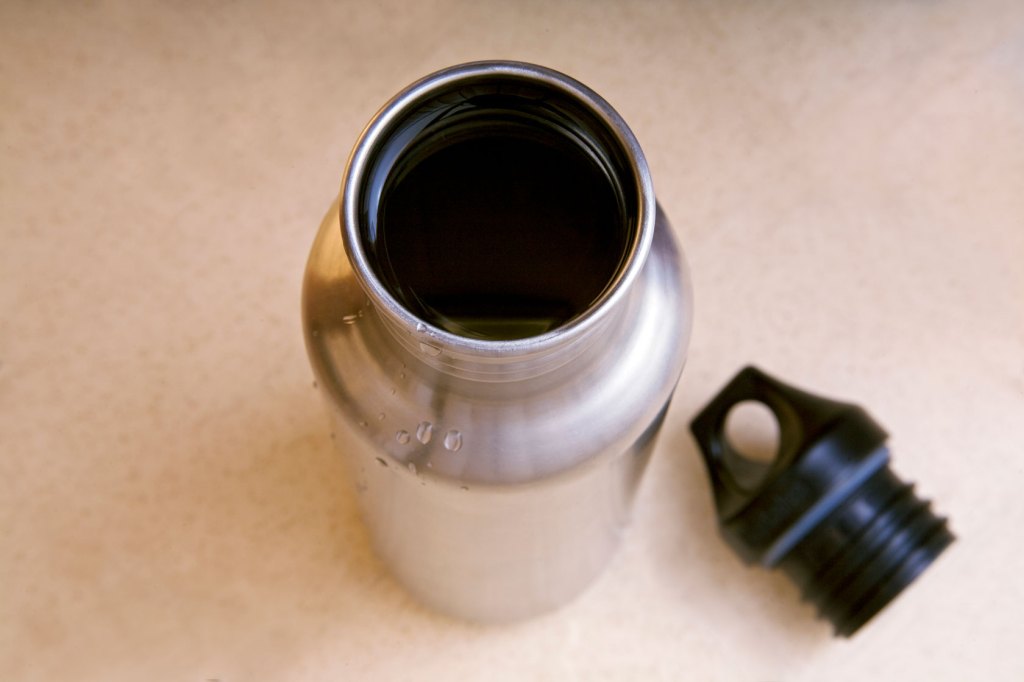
(847, 180)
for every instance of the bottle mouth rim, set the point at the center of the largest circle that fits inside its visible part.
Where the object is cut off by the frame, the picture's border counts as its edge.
(382, 128)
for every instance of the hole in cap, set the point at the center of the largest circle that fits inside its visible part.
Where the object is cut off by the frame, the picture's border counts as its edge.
(752, 438)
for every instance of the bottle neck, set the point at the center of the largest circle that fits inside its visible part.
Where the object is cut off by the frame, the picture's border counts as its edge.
(497, 361)
(579, 257)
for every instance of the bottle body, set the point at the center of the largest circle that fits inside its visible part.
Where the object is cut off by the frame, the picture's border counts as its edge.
(495, 477)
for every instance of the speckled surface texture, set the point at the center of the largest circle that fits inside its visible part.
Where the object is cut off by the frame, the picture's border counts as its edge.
(846, 178)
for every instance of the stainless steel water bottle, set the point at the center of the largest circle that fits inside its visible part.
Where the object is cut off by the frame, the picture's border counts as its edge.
(498, 314)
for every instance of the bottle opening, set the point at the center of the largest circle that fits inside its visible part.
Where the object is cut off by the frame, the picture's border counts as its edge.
(498, 208)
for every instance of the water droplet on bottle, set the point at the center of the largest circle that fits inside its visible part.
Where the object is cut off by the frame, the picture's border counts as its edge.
(364, 424)
(380, 416)
(360, 313)
(401, 375)
(429, 349)
(315, 385)
(411, 466)
(393, 391)
(453, 440)
(381, 461)
(424, 431)
(464, 487)
(316, 332)
(349, 319)
(402, 437)
(420, 327)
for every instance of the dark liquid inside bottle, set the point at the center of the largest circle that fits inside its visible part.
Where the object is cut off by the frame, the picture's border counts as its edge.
(500, 231)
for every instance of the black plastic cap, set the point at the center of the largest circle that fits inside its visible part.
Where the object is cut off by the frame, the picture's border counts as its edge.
(827, 510)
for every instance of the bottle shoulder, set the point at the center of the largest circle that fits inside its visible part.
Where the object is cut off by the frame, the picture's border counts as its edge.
(496, 431)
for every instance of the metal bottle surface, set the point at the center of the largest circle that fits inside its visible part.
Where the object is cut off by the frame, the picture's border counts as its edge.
(496, 476)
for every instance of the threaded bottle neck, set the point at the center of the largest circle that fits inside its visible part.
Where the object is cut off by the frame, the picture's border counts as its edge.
(495, 214)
